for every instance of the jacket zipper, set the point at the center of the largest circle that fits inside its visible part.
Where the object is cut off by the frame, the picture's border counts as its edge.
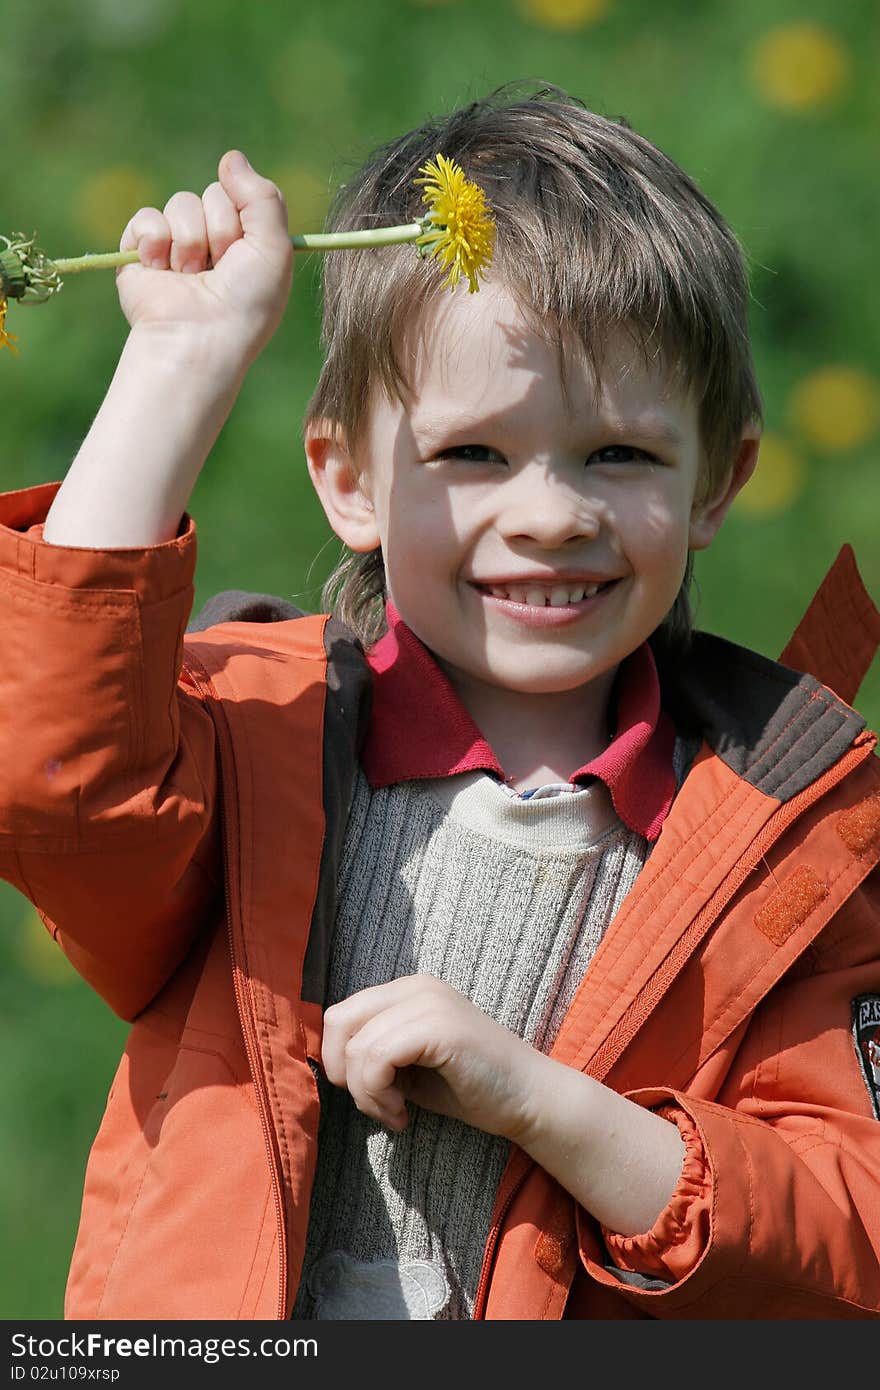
(203, 683)
(492, 1241)
(774, 828)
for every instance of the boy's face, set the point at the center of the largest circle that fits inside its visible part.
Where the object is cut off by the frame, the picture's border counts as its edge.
(534, 532)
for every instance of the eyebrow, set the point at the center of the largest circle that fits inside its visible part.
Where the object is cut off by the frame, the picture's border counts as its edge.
(657, 428)
(437, 425)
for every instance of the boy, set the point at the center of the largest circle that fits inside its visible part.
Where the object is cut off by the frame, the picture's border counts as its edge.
(468, 979)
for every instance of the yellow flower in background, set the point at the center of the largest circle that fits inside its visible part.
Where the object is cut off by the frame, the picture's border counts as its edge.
(109, 198)
(462, 236)
(564, 14)
(798, 66)
(776, 482)
(39, 956)
(836, 407)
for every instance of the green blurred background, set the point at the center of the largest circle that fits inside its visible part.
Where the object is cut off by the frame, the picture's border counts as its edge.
(107, 105)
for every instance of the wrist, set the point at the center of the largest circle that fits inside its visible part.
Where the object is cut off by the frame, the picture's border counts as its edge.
(620, 1161)
(207, 356)
(544, 1089)
(132, 478)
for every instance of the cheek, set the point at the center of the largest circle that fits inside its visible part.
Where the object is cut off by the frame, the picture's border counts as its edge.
(421, 530)
(411, 564)
(655, 525)
(653, 546)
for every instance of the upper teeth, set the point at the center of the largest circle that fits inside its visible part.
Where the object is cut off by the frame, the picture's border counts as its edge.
(544, 595)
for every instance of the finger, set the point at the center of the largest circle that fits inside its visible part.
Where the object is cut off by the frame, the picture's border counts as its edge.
(339, 1028)
(257, 200)
(189, 236)
(372, 1082)
(361, 1005)
(374, 1088)
(221, 220)
(344, 1020)
(391, 1042)
(149, 234)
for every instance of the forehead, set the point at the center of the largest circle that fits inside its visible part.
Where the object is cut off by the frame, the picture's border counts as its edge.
(478, 353)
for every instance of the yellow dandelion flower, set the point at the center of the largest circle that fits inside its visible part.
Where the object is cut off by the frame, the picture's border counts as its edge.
(104, 201)
(799, 66)
(836, 407)
(564, 14)
(776, 483)
(7, 340)
(459, 227)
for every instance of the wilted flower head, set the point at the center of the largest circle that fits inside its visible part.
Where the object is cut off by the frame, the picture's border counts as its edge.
(27, 274)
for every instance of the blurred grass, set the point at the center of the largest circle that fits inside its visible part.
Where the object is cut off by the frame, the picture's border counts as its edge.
(771, 105)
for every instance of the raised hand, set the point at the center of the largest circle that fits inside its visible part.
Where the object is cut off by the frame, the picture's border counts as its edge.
(216, 264)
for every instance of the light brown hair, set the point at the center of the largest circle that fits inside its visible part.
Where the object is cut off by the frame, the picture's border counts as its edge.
(596, 230)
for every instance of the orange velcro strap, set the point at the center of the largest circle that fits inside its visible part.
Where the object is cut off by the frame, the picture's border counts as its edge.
(556, 1242)
(791, 904)
(860, 826)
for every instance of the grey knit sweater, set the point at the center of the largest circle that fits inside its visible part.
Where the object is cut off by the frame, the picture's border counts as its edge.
(506, 899)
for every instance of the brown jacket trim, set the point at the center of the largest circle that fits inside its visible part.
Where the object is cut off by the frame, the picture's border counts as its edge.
(776, 729)
(346, 717)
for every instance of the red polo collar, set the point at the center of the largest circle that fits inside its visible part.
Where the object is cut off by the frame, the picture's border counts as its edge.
(419, 728)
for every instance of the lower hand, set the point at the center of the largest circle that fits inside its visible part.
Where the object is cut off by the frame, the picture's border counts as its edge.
(220, 262)
(416, 1038)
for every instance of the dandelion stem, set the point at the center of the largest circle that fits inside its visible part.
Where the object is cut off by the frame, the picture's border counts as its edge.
(350, 241)
(301, 241)
(95, 261)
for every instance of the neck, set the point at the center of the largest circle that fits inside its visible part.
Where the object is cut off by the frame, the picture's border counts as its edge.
(541, 738)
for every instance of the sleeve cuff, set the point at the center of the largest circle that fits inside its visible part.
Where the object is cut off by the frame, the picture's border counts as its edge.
(680, 1235)
(154, 573)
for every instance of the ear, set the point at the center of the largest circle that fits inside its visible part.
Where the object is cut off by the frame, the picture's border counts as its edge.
(707, 516)
(340, 487)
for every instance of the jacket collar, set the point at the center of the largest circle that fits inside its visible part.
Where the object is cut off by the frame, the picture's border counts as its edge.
(420, 729)
(772, 725)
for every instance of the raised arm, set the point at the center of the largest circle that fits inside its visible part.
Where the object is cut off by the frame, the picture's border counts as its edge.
(209, 292)
(108, 798)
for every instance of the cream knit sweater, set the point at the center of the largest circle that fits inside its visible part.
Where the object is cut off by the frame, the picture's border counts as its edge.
(506, 899)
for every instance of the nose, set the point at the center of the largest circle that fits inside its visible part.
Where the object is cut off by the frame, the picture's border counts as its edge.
(546, 509)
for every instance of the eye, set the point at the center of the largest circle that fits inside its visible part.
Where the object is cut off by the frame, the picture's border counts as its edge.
(621, 453)
(472, 453)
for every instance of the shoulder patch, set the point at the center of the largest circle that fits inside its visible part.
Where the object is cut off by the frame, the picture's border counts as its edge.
(866, 1036)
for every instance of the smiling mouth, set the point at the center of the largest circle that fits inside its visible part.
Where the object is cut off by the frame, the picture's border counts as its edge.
(544, 595)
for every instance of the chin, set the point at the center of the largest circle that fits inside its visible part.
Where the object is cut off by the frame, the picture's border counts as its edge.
(542, 682)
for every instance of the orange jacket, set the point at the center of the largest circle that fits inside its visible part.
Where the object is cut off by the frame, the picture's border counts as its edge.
(174, 805)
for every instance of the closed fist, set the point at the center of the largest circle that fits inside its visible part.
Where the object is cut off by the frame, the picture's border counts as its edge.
(218, 265)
